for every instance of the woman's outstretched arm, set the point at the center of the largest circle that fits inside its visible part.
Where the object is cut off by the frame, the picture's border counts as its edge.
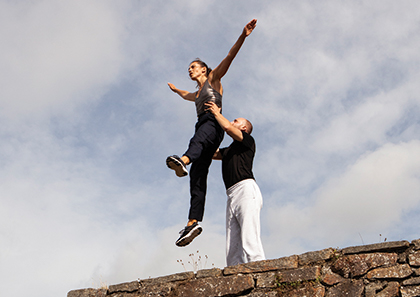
(223, 67)
(184, 94)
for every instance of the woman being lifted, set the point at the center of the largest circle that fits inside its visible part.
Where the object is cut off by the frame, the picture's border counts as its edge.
(208, 133)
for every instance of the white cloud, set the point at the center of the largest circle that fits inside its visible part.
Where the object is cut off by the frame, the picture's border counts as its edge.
(55, 55)
(368, 198)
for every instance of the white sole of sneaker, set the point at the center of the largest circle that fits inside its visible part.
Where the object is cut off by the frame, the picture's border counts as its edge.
(187, 239)
(174, 164)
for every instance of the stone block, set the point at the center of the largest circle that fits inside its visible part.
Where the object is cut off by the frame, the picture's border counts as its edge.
(372, 288)
(169, 278)
(412, 281)
(402, 258)
(416, 271)
(302, 290)
(391, 290)
(397, 271)
(377, 247)
(299, 274)
(153, 290)
(124, 287)
(87, 293)
(314, 257)
(330, 278)
(359, 264)
(262, 266)
(349, 288)
(414, 259)
(273, 279)
(213, 272)
(416, 244)
(263, 294)
(266, 280)
(410, 291)
(219, 286)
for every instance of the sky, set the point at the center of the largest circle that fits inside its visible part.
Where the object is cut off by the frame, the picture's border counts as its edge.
(87, 121)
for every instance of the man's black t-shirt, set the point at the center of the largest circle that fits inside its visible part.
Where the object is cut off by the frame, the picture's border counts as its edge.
(237, 160)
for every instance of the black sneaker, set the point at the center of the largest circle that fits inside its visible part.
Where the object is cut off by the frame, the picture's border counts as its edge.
(174, 162)
(188, 234)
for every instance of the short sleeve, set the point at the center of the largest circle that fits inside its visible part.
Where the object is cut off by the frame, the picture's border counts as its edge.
(247, 140)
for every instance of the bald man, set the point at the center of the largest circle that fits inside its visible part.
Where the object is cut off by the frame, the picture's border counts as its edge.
(244, 199)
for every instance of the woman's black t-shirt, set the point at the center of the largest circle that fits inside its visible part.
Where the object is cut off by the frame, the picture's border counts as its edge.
(237, 160)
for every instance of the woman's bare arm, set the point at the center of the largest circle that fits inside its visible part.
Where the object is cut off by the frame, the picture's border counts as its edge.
(218, 72)
(184, 94)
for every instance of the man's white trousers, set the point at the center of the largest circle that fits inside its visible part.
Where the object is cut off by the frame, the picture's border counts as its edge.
(243, 241)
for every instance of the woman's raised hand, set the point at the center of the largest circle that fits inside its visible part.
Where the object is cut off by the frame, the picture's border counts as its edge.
(249, 27)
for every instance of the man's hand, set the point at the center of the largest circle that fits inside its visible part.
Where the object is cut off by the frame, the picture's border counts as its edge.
(212, 107)
(227, 126)
(249, 27)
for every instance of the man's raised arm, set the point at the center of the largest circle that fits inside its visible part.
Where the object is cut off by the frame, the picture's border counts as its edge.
(232, 131)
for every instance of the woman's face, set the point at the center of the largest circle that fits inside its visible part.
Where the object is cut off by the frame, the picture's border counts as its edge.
(195, 70)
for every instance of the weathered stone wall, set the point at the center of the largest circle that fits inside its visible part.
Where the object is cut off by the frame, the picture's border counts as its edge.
(385, 269)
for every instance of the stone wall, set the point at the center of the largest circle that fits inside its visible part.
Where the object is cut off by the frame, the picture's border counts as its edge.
(378, 270)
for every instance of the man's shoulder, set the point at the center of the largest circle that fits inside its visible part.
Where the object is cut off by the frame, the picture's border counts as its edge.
(247, 139)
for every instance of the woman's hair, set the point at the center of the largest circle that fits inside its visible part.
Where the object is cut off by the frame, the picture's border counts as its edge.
(202, 64)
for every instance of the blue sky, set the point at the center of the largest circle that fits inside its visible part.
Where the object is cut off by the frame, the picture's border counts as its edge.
(87, 121)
